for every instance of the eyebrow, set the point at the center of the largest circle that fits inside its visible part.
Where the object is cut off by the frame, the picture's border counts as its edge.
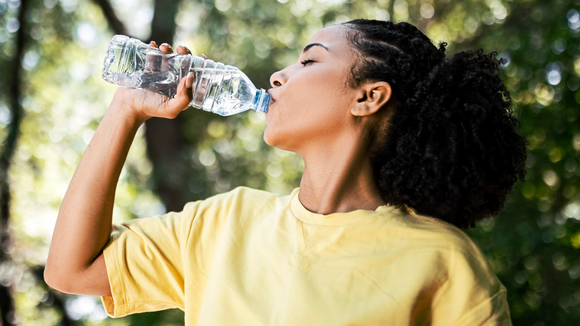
(307, 47)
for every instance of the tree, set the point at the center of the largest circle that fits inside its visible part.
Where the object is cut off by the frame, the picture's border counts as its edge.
(16, 112)
(532, 245)
(13, 87)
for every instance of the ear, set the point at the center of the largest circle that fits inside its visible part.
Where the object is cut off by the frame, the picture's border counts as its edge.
(371, 98)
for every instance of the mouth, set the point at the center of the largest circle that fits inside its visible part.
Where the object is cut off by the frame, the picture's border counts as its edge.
(272, 99)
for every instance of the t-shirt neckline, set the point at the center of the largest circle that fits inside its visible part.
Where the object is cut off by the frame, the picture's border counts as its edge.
(334, 219)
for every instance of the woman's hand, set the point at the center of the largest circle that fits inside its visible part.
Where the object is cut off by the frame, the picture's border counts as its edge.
(146, 104)
(75, 262)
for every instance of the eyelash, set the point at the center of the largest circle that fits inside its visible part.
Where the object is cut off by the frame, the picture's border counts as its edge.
(305, 62)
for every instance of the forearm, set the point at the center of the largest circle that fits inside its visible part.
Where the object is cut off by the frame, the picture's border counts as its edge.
(84, 222)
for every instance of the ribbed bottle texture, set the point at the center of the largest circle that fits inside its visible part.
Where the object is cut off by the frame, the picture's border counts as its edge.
(218, 88)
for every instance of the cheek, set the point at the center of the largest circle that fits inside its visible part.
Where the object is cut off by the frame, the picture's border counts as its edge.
(312, 108)
(318, 97)
(325, 108)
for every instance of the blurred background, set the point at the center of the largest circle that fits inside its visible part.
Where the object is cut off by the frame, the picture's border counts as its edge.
(52, 98)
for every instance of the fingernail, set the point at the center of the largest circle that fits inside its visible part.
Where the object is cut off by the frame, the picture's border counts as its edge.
(167, 45)
(185, 47)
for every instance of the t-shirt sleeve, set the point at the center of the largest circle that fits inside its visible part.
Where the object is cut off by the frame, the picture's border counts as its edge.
(145, 264)
(472, 294)
(490, 312)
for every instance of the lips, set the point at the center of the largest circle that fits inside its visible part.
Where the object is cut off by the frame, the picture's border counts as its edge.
(272, 99)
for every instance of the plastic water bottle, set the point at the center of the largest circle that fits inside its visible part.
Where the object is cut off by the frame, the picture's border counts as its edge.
(217, 88)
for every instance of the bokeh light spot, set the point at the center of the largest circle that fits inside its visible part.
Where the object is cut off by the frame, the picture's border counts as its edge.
(573, 19)
(553, 77)
(207, 157)
(30, 60)
(86, 33)
(12, 25)
(572, 210)
(427, 10)
(80, 306)
(559, 46)
(551, 178)
(223, 5)
(575, 242)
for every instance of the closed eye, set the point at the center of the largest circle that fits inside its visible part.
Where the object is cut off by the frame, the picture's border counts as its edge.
(305, 62)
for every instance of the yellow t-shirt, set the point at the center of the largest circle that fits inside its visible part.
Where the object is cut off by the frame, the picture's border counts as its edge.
(248, 257)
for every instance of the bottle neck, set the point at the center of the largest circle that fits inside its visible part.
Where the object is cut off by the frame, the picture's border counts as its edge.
(261, 101)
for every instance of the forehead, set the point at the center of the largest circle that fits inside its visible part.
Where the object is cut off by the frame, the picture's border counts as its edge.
(333, 38)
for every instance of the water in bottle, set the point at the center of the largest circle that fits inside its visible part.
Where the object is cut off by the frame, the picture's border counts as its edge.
(217, 88)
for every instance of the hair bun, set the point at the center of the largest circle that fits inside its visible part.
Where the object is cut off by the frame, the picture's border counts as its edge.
(450, 149)
(460, 139)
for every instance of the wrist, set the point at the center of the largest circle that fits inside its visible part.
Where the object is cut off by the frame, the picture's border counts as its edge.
(122, 110)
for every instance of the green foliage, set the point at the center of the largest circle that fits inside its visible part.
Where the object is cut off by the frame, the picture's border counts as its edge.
(533, 245)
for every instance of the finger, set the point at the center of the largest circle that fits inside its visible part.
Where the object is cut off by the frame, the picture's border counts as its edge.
(201, 90)
(181, 100)
(183, 50)
(166, 48)
(153, 58)
(189, 79)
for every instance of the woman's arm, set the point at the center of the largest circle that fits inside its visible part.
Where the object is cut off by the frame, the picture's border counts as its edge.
(75, 261)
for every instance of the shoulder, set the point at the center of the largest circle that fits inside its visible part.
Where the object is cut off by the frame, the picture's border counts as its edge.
(242, 197)
(457, 255)
(466, 265)
(467, 285)
(241, 203)
(434, 231)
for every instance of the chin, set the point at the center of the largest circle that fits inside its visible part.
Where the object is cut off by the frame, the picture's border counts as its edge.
(268, 138)
(275, 140)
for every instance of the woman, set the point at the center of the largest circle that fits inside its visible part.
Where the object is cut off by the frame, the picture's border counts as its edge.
(401, 147)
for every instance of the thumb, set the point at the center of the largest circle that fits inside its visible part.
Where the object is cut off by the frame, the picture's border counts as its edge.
(182, 98)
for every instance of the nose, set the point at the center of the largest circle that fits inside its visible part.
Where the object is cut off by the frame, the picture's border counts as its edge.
(278, 78)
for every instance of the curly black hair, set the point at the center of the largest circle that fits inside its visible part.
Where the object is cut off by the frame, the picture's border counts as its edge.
(450, 149)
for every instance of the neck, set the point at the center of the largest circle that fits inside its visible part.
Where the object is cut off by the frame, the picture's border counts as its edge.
(338, 178)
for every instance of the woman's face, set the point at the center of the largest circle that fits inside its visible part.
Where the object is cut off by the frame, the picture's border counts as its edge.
(311, 99)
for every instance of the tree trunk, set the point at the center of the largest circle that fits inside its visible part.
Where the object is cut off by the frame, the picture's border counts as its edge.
(116, 25)
(163, 136)
(6, 300)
